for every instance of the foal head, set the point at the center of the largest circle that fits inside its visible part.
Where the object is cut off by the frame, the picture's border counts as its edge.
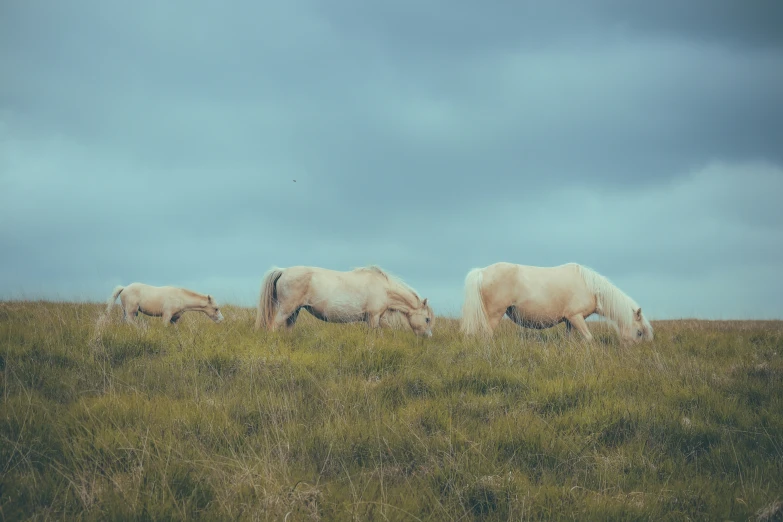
(212, 310)
(421, 319)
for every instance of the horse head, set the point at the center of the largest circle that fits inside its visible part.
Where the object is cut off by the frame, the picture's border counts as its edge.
(421, 319)
(639, 329)
(212, 310)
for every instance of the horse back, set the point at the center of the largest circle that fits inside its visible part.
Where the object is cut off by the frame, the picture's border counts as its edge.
(317, 284)
(154, 299)
(544, 288)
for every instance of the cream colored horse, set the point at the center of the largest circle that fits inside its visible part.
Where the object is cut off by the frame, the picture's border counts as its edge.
(542, 297)
(362, 294)
(167, 302)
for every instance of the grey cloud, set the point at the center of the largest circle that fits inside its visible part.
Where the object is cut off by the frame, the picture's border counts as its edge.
(447, 27)
(734, 22)
(649, 93)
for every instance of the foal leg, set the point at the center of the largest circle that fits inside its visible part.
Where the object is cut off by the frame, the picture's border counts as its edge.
(579, 323)
(129, 314)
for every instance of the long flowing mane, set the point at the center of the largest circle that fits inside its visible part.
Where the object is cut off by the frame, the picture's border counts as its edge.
(611, 302)
(391, 278)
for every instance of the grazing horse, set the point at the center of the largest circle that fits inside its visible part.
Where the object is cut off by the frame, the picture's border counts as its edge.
(542, 297)
(362, 294)
(167, 302)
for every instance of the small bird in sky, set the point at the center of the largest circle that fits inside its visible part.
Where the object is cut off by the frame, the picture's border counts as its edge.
(294, 181)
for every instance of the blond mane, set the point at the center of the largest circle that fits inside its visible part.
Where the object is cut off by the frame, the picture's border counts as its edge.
(391, 278)
(611, 302)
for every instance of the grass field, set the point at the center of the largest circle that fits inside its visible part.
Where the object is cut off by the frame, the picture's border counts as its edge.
(209, 421)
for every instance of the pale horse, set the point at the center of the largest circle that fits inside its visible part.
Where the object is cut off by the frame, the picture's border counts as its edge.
(168, 302)
(542, 297)
(362, 294)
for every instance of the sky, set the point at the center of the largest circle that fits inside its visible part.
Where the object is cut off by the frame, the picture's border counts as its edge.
(159, 142)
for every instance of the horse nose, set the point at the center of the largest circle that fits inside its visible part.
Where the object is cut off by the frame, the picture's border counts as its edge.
(429, 333)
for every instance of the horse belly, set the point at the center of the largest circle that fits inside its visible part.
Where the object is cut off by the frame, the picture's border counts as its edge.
(336, 313)
(153, 308)
(531, 315)
(151, 301)
(337, 307)
(540, 307)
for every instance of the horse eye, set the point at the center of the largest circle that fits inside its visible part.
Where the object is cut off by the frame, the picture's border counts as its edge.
(428, 319)
(639, 333)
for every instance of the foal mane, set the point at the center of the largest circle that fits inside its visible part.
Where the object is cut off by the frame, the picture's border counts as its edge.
(611, 302)
(393, 279)
(193, 293)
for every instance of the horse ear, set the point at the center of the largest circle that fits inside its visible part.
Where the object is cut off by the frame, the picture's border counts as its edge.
(638, 314)
(424, 303)
(209, 298)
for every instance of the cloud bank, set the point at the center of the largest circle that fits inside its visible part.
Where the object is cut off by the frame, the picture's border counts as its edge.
(159, 143)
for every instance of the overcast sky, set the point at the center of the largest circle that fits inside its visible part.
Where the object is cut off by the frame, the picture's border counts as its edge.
(158, 142)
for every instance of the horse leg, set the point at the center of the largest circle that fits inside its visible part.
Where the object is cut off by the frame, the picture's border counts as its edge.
(579, 323)
(285, 318)
(374, 320)
(569, 328)
(129, 314)
(291, 320)
(495, 316)
(279, 320)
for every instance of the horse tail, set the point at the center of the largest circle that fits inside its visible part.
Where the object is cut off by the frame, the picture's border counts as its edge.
(117, 291)
(267, 301)
(474, 315)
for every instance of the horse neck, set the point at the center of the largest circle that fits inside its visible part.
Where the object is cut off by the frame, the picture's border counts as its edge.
(195, 301)
(403, 297)
(611, 302)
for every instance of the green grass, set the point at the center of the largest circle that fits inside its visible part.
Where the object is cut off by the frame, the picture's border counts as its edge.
(334, 423)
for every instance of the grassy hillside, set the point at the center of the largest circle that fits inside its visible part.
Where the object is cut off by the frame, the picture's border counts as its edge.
(333, 423)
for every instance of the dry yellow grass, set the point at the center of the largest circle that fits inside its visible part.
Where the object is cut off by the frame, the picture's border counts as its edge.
(334, 423)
